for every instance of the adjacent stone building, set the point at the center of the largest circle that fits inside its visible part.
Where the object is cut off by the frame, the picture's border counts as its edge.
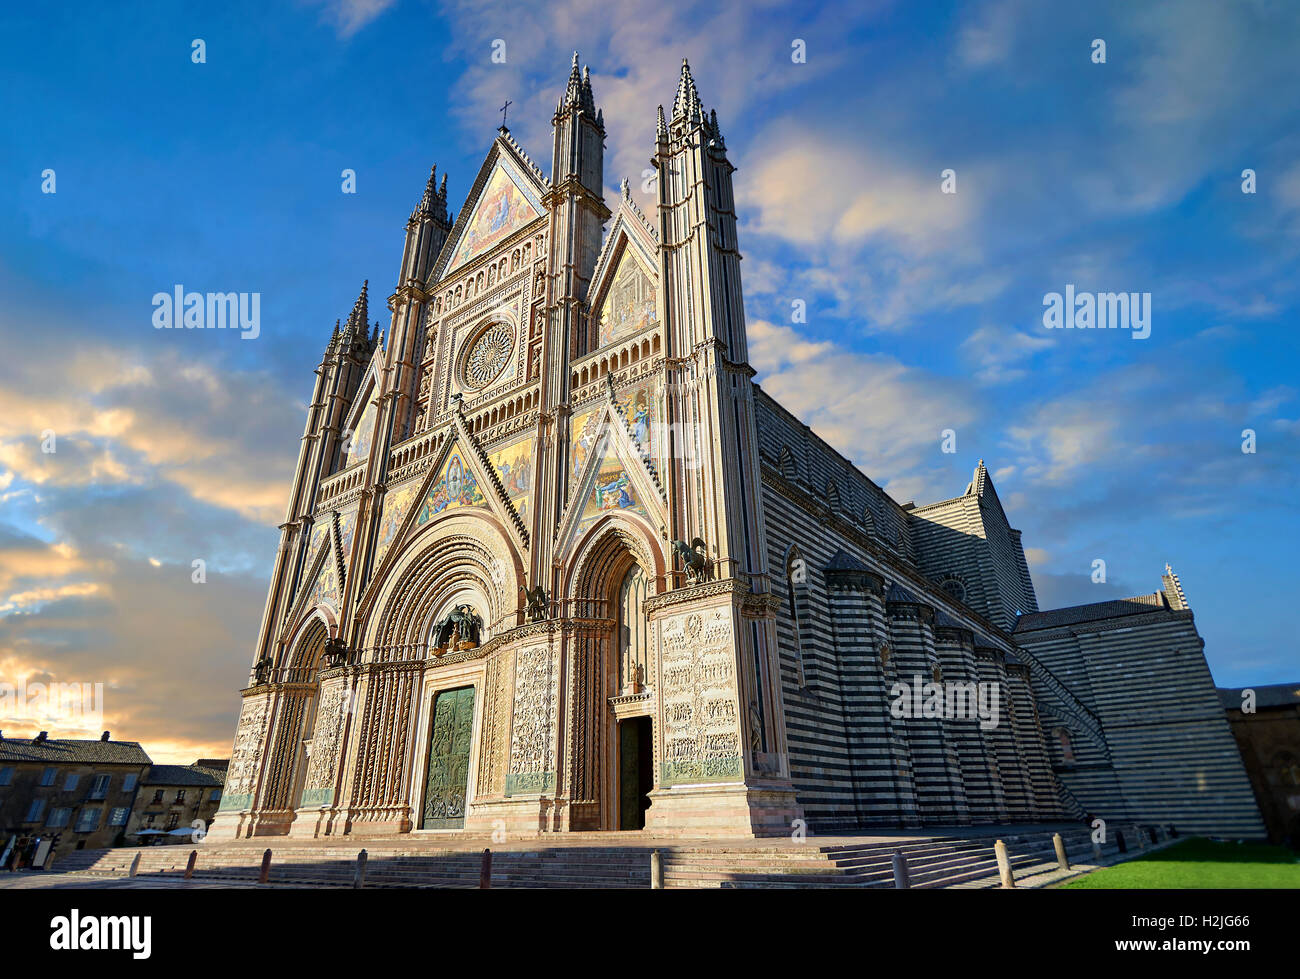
(175, 798)
(78, 794)
(552, 561)
(1265, 722)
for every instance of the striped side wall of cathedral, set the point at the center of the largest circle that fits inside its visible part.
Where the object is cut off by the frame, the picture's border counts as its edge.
(1169, 755)
(857, 617)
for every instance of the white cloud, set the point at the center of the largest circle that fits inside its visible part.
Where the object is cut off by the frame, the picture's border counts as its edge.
(884, 416)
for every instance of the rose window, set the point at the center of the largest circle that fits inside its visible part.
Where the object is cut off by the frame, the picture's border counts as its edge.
(488, 356)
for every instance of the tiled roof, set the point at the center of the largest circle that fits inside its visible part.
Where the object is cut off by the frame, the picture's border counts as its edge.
(184, 775)
(1077, 614)
(73, 752)
(897, 593)
(1273, 695)
(841, 560)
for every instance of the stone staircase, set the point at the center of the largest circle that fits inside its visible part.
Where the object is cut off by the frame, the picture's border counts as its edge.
(602, 861)
(932, 862)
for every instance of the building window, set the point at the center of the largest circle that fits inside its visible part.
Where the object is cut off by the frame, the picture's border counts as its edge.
(1067, 749)
(172, 820)
(148, 820)
(47, 776)
(180, 797)
(6, 775)
(99, 787)
(87, 819)
(128, 783)
(157, 795)
(118, 816)
(70, 783)
(954, 588)
(35, 812)
(58, 818)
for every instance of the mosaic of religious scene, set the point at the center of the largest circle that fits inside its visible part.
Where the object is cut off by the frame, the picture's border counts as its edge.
(396, 504)
(456, 487)
(347, 524)
(326, 589)
(639, 407)
(501, 210)
(364, 436)
(582, 436)
(514, 466)
(629, 306)
(613, 491)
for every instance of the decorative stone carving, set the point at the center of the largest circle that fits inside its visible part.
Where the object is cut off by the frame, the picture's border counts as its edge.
(700, 705)
(241, 779)
(318, 787)
(532, 743)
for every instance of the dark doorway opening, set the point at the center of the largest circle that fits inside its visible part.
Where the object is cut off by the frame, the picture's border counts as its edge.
(635, 775)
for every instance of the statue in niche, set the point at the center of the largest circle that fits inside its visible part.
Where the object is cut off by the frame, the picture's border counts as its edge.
(461, 629)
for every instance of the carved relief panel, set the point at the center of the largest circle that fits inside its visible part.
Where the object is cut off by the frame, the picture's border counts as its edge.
(532, 740)
(701, 723)
(318, 788)
(246, 755)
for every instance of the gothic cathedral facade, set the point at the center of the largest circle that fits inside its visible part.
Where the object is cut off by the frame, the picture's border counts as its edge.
(554, 562)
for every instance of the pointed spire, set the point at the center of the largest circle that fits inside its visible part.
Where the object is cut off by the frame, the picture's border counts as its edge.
(687, 103)
(661, 127)
(361, 309)
(588, 100)
(573, 94)
(430, 190)
(442, 188)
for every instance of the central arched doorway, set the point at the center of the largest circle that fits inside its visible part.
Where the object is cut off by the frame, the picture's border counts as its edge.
(635, 741)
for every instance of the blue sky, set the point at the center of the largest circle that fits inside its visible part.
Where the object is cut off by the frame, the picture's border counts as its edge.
(924, 309)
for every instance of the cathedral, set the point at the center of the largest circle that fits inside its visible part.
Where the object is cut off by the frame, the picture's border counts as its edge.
(553, 562)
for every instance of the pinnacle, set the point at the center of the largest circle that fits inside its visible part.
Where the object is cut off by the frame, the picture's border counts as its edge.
(687, 103)
(360, 310)
(573, 94)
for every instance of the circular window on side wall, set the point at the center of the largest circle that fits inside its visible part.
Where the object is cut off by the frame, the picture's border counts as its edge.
(487, 355)
(954, 588)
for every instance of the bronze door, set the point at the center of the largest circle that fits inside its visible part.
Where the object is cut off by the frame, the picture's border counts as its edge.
(449, 744)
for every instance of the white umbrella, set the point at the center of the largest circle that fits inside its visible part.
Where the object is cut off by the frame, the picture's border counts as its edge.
(148, 832)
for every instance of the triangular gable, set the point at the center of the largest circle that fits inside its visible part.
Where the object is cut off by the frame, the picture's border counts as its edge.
(611, 476)
(624, 291)
(362, 418)
(506, 196)
(456, 480)
(456, 485)
(611, 489)
(514, 466)
(320, 585)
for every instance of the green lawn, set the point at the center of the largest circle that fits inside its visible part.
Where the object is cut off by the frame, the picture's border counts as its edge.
(1198, 862)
